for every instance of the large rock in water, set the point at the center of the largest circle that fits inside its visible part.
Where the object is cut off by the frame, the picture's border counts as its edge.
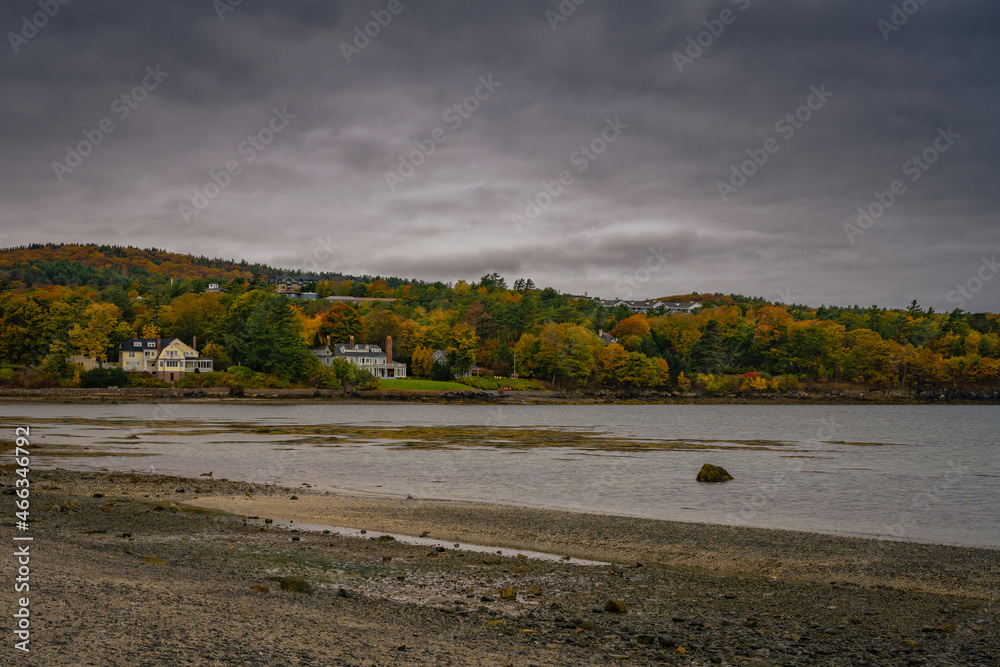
(711, 473)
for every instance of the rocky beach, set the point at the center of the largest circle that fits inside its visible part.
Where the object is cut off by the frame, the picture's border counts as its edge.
(135, 569)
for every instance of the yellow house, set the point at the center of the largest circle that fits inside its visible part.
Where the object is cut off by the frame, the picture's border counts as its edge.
(176, 359)
(139, 354)
(88, 363)
(168, 359)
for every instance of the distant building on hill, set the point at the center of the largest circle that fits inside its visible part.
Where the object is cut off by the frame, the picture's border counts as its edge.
(646, 306)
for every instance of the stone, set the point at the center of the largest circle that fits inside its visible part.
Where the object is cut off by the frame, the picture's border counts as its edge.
(713, 474)
(294, 584)
(589, 625)
(666, 641)
(152, 560)
(508, 594)
(534, 589)
(615, 607)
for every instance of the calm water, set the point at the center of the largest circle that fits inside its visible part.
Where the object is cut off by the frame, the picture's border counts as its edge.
(925, 473)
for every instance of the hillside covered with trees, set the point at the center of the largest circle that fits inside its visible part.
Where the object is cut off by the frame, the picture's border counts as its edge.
(60, 300)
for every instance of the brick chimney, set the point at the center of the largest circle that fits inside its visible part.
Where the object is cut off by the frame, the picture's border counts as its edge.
(328, 341)
(352, 343)
(194, 343)
(388, 349)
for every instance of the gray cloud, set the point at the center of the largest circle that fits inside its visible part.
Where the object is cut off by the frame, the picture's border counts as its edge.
(323, 177)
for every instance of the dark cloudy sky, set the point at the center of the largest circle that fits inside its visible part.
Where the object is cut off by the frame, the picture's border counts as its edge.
(317, 195)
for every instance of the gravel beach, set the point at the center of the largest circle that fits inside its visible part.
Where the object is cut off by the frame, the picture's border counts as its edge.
(134, 569)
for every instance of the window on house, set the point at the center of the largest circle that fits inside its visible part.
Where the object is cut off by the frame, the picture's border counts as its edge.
(136, 344)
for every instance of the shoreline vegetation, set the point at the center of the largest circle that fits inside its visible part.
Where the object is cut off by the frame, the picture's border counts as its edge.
(670, 593)
(68, 313)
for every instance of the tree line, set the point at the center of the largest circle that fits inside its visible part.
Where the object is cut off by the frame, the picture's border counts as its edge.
(732, 342)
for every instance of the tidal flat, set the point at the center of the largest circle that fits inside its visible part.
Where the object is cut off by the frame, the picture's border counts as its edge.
(149, 570)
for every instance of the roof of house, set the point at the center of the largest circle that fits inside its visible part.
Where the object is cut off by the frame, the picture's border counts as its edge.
(611, 303)
(129, 345)
(345, 350)
(650, 304)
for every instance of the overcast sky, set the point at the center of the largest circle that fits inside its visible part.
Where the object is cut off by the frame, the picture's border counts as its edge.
(317, 123)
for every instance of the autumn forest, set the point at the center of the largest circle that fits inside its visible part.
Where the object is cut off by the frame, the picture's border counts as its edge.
(63, 300)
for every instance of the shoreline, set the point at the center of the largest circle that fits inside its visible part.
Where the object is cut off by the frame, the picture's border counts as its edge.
(662, 543)
(478, 397)
(303, 513)
(146, 577)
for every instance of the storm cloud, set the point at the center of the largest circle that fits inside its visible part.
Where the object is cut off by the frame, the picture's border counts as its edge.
(559, 141)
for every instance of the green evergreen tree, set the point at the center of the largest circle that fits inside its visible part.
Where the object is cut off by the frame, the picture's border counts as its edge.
(708, 355)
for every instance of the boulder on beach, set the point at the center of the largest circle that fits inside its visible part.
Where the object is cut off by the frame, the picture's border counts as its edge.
(712, 474)
(614, 606)
(295, 585)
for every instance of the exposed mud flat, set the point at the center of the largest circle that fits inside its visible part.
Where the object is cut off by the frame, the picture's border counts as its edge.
(146, 575)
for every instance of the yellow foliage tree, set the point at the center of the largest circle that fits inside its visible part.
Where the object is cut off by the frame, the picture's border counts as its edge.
(422, 362)
(101, 329)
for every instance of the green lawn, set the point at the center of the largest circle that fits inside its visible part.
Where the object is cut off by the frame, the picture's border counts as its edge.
(413, 384)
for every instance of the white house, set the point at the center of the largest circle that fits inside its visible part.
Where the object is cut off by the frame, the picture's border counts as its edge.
(646, 306)
(366, 357)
